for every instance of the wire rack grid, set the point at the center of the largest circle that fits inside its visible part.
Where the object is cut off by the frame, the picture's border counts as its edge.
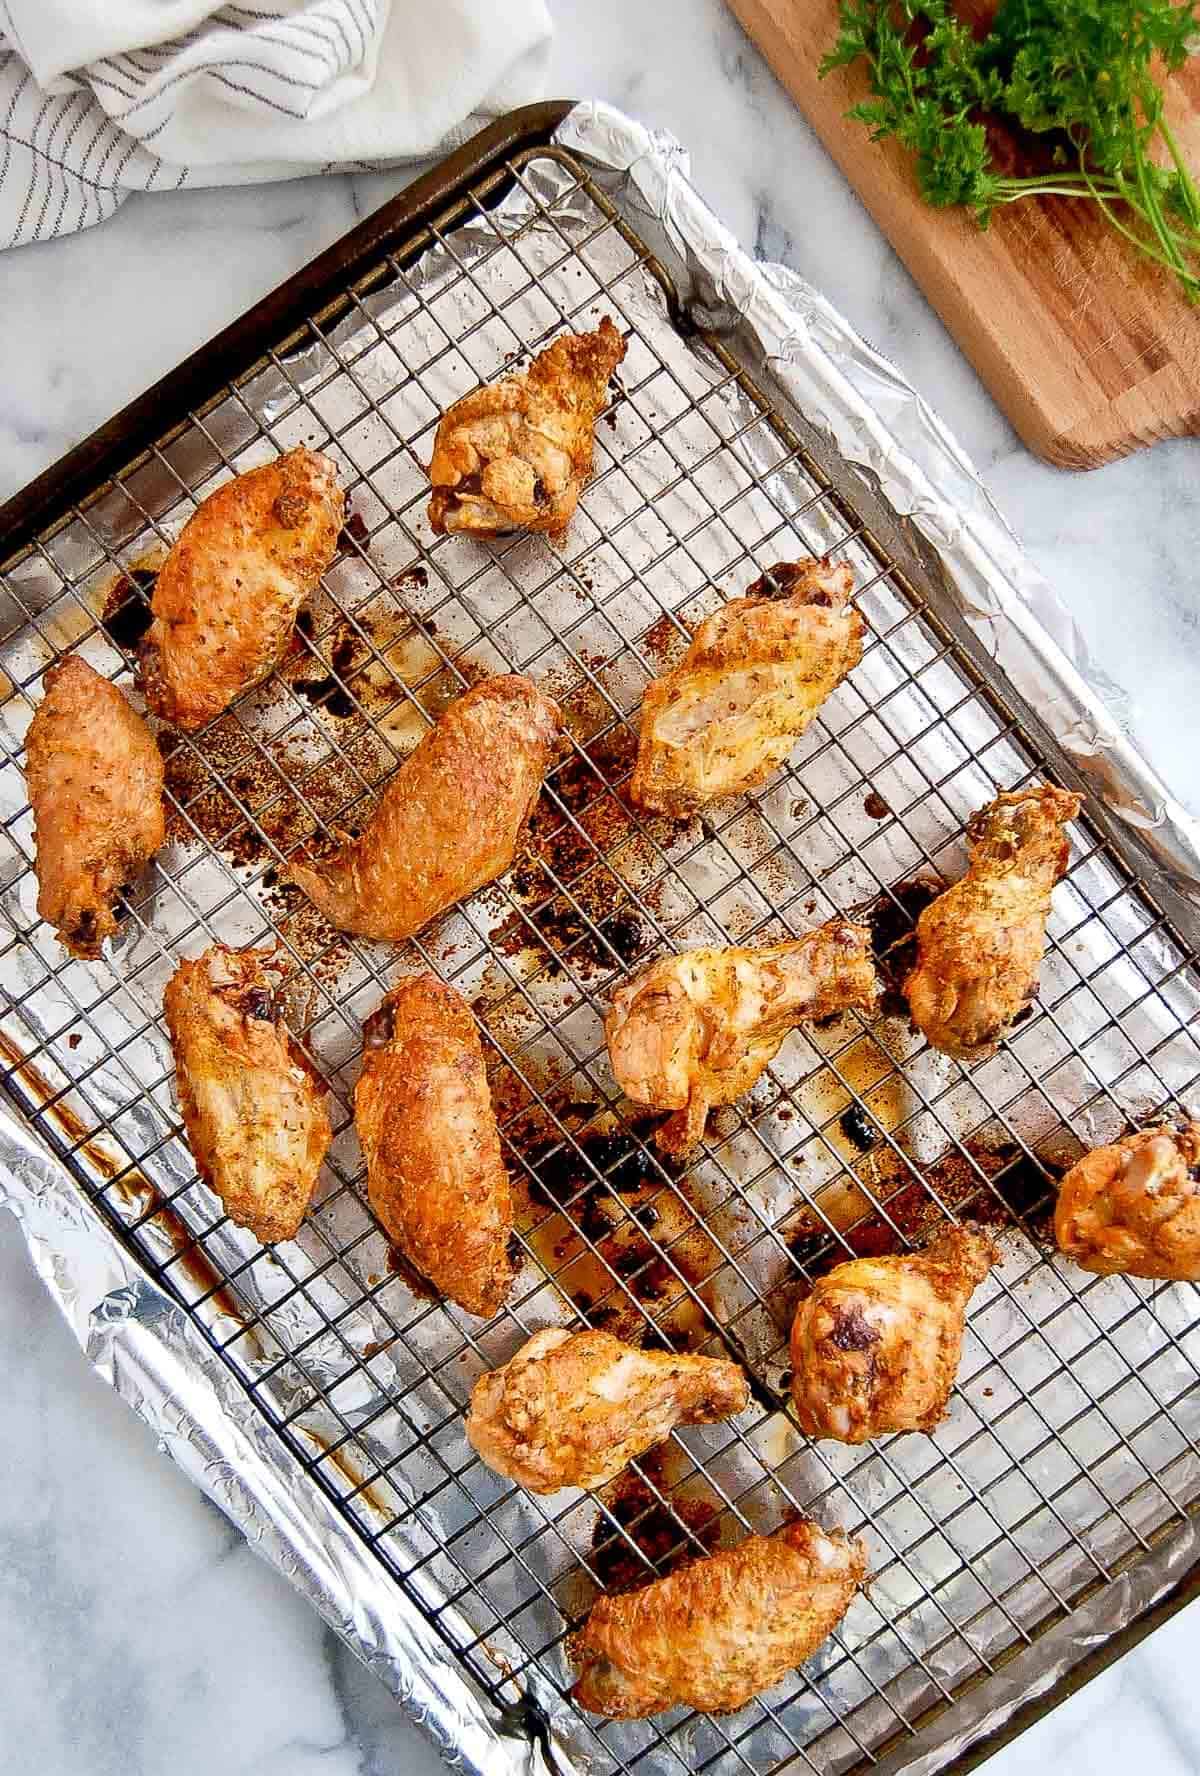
(1071, 1445)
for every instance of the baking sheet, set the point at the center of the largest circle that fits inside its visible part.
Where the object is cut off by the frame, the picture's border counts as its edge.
(1059, 1494)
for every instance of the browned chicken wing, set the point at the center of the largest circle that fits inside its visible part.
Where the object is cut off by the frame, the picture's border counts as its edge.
(720, 1631)
(253, 1107)
(753, 678)
(980, 944)
(697, 1029)
(95, 786)
(573, 1408)
(449, 821)
(1134, 1208)
(515, 454)
(424, 1116)
(876, 1346)
(228, 594)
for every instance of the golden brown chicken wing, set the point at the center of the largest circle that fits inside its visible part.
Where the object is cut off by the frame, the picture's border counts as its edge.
(253, 1107)
(95, 781)
(720, 1631)
(424, 1116)
(697, 1029)
(515, 454)
(1134, 1208)
(227, 596)
(573, 1408)
(980, 944)
(449, 821)
(876, 1346)
(753, 678)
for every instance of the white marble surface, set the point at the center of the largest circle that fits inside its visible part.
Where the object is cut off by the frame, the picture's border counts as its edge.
(137, 1634)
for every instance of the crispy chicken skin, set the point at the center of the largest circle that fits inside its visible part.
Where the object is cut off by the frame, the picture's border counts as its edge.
(253, 1107)
(514, 455)
(573, 1408)
(720, 1631)
(756, 673)
(227, 596)
(980, 944)
(449, 821)
(424, 1116)
(1134, 1208)
(697, 1029)
(876, 1346)
(95, 781)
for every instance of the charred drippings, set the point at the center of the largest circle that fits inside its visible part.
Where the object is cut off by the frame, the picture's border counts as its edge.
(353, 531)
(328, 691)
(858, 1128)
(127, 615)
(994, 1184)
(875, 806)
(562, 1175)
(893, 923)
(664, 1536)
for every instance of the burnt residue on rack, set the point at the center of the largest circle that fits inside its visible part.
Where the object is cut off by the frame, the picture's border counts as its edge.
(664, 1536)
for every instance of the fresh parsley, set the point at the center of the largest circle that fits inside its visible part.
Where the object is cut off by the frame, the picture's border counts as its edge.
(1080, 77)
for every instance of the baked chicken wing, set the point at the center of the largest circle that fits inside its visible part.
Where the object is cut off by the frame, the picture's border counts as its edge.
(450, 819)
(573, 1408)
(252, 1105)
(697, 1029)
(227, 596)
(876, 1346)
(720, 1631)
(1134, 1207)
(95, 781)
(753, 678)
(515, 454)
(980, 944)
(424, 1116)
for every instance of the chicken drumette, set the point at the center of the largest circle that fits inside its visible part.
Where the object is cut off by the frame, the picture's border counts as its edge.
(252, 1104)
(95, 781)
(1134, 1207)
(697, 1029)
(227, 596)
(450, 819)
(980, 944)
(876, 1346)
(573, 1408)
(435, 1177)
(515, 454)
(721, 1630)
(753, 678)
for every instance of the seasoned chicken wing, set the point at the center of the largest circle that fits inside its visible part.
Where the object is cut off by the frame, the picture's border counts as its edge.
(573, 1408)
(980, 944)
(876, 1346)
(227, 596)
(95, 781)
(720, 1631)
(1134, 1208)
(515, 454)
(253, 1107)
(697, 1029)
(424, 1116)
(449, 821)
(753, 678)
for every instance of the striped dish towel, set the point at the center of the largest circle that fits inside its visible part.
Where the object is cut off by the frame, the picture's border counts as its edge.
(102, 97)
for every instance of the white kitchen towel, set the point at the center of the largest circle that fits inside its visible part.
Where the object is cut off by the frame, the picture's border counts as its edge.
(102, 97)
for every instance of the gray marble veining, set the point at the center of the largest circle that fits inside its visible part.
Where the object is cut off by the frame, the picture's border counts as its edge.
(137, 1632)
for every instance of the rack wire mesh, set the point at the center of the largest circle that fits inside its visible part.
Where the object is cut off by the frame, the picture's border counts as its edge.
(1071, 1444)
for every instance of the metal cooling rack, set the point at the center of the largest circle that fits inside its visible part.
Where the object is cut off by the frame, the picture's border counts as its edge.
(1071, 1446)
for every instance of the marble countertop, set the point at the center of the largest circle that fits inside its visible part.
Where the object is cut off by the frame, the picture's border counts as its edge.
(137, 1632)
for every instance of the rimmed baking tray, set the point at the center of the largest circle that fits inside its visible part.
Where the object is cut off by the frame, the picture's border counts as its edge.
(309, 1387)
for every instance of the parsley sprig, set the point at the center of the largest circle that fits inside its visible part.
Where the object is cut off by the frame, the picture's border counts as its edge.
(1082, 75)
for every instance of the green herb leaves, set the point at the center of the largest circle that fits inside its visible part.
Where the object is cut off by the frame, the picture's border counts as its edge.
(1079, 77)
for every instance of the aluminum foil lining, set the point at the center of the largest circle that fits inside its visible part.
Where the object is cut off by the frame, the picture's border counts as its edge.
(156, 1354)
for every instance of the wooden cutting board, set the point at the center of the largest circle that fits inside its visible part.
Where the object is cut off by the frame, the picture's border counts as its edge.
(1090, 350)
